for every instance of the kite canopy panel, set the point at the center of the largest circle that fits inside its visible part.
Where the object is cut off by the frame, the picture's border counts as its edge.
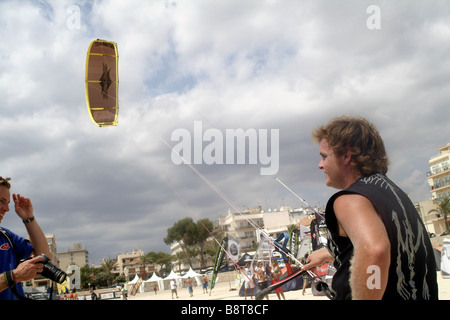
(102, 82)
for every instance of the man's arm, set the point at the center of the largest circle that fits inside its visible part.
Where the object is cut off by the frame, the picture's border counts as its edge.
(24, 210)
(27, 270)
(359, 221)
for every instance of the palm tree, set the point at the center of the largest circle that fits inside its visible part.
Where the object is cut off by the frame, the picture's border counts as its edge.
(108, 266)
(181, 256)
(291, 227)
(444, 209)
(146, 259)
(163, 259)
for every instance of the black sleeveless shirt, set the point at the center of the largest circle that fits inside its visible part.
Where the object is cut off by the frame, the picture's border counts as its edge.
(412, 273)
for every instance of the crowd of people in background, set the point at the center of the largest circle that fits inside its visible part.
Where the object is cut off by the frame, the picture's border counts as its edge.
(262, 275)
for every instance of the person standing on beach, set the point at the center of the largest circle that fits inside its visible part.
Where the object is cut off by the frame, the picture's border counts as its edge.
(276, 273)
(262, 277)
(93, 294)
(205, 284)
(306, 277)
(248, 282)
(73, 295)
(173, 287)
(124, 293)
(378, 242)
(190, 286)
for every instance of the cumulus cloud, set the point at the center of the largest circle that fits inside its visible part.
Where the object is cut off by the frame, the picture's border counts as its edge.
(288, 65)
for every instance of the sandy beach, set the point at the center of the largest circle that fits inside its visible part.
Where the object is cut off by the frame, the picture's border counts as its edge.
(221, 291)
(225, 291)
(224, 302)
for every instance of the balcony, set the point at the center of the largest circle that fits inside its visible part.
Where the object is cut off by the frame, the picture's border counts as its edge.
(435, 173)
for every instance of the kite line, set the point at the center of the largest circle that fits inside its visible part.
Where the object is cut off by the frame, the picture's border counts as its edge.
(221, 245)
(320, 284)
(303, 200)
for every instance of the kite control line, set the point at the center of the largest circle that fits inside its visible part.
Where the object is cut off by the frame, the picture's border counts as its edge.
(210, 234)
(301, 199)
(323, 286)
(319, 284)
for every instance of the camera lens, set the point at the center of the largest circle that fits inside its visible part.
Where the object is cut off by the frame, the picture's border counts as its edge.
(52, 272)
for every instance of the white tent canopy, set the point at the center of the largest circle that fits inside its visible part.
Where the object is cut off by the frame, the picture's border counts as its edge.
(172, 275)
(191, 273)
(136, 278)
(176, 277)
(154, 278)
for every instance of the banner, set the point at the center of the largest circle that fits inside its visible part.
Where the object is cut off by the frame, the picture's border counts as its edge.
(64, 287)
(136, 286)
(233, 248)
(293, 243)
(219, 258)
(315, 235)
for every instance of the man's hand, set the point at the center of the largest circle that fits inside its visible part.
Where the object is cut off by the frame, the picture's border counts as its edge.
(317, 258)
(24, 210)
(23, 206)
(29, 269)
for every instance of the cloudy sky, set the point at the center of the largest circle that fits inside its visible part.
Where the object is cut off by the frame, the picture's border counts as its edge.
(261, 66)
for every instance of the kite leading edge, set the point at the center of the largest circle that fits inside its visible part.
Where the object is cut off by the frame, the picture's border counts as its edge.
(102, 82)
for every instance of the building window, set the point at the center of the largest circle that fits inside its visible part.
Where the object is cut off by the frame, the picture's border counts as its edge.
(435, 169)
(444, 165)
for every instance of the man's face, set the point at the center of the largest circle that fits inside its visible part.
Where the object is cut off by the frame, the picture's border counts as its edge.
(332, 165)
(5, 197)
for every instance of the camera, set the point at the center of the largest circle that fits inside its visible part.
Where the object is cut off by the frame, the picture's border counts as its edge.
(50, 271)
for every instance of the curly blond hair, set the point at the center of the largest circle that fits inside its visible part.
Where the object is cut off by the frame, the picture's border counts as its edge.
(361, 138)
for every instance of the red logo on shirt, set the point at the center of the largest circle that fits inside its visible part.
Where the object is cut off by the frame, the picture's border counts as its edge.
(5, 246)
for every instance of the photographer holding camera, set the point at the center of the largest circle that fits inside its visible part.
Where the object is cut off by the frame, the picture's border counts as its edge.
(14, 248)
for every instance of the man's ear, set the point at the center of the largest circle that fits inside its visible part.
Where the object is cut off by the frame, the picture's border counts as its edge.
(347, 155)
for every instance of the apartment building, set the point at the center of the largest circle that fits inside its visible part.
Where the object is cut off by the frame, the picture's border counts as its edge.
(241, 225)
(439, 174)
(78, 256)
(124, 259)
(439, 181)
(430, 218)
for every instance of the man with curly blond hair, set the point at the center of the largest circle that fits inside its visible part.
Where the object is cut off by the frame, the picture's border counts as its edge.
(376, 238)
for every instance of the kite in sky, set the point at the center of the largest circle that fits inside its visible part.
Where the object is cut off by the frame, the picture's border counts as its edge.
(102, 82)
